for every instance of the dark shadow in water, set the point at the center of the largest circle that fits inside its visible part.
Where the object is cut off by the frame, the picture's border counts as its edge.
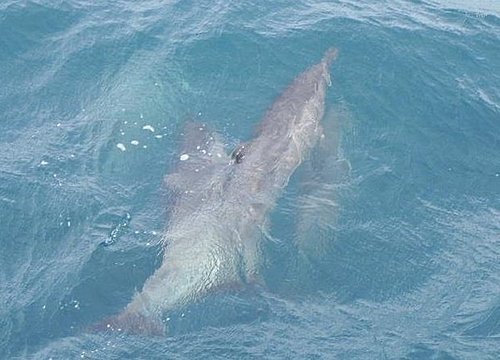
(488, 325)
(219, 309)
(421, 352)
(107, 282)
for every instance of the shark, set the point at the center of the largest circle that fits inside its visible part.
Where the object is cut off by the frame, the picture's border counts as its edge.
(222, 201)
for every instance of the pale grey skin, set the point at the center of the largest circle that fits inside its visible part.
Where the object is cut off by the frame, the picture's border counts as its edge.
(222, 203)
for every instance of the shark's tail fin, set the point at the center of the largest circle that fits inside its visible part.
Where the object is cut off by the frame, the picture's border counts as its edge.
(130, 323)
(330, 55)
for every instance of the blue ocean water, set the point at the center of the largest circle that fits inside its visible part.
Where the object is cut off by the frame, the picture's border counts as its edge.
(398, 213)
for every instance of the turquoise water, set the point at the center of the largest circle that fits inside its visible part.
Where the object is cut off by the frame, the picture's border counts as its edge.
(398, 211)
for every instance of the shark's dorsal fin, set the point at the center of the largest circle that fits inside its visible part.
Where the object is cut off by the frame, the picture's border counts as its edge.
(199, 161)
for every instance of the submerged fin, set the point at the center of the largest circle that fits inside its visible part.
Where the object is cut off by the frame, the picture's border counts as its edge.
(322, 179)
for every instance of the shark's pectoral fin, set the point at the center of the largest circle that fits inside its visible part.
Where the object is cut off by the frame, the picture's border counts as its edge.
(323, 177)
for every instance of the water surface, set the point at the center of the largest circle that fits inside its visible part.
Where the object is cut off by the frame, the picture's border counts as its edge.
(386, 242)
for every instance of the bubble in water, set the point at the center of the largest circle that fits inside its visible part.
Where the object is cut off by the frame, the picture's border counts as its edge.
(118, 230)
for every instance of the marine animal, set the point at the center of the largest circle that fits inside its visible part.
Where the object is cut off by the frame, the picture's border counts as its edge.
(222, 202)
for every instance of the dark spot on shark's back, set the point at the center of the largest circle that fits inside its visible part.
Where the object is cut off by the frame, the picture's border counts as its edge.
(238, 154)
